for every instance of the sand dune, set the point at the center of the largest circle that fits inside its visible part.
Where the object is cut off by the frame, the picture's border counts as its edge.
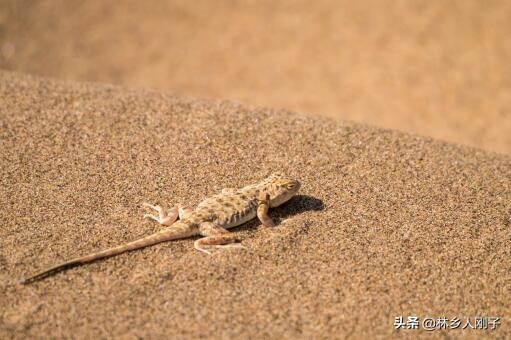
(387, 224)
(436, 68)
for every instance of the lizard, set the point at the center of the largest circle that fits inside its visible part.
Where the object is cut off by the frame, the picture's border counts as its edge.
(211, 219)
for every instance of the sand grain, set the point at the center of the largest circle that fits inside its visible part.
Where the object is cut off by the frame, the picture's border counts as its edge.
(387, 224)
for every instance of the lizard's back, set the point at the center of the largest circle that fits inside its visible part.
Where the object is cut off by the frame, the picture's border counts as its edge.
(228, 210)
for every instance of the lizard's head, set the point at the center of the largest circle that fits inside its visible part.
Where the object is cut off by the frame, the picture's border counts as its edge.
(280, 188)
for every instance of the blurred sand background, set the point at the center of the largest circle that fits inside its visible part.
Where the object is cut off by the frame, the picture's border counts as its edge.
(436, 68)
(388, 223)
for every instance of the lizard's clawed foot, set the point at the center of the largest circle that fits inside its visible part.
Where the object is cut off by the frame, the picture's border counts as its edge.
(163, 218)
(214, 243)
(213, 248)
(268, 222)
(232, 245)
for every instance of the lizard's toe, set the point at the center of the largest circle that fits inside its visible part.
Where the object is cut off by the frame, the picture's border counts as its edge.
(231, 245)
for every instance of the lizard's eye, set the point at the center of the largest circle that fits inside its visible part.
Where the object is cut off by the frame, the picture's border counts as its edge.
(290, 186)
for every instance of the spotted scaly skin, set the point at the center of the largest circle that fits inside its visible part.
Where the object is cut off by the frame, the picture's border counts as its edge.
(210, 219)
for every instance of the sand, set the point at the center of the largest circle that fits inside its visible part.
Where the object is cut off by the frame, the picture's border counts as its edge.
(435, 68)
(387, 224)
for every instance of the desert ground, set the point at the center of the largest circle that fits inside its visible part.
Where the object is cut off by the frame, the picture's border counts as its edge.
(394, 117)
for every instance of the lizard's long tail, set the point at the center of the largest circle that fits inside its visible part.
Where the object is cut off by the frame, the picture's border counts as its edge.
(176, 231)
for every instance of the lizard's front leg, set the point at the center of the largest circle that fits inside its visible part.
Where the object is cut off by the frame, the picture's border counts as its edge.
(215, 237)
(262, 210)
(163, 218)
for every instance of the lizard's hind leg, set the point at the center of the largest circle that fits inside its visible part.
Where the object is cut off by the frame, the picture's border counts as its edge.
(215, 238)
(183, 211)
(163, 218)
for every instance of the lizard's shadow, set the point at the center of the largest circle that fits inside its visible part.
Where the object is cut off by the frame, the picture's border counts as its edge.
(295, 206)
